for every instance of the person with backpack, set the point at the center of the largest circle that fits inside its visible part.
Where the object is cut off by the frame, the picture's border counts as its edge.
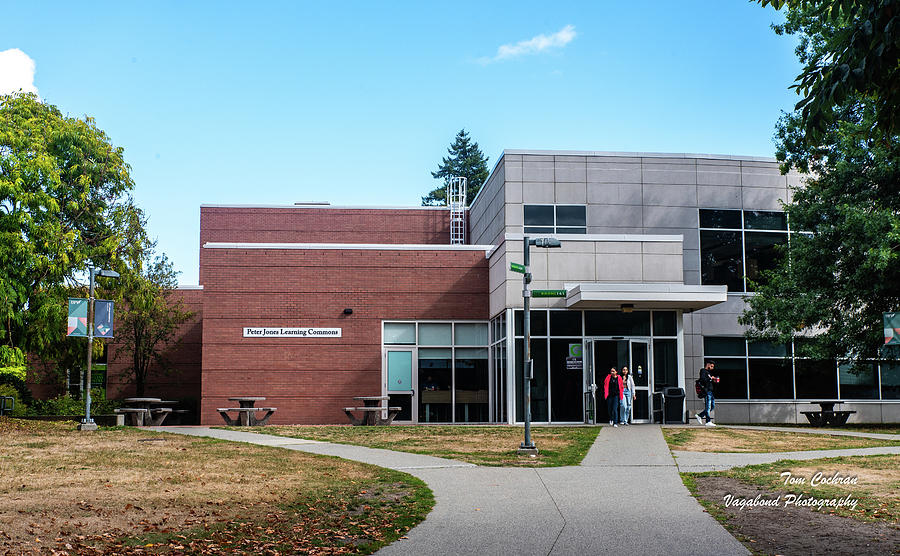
(613, 391)
(705, 384)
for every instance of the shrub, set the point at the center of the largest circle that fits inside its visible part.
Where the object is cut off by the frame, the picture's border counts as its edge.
(67, 405)
(7, 390)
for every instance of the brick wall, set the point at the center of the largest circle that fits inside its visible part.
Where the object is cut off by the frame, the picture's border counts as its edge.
(182, 382)
(310, 380)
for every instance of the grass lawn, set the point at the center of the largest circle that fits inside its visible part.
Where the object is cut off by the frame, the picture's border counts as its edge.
(480, 445)
(122, 490)
(877, 485)
(880, 428)
(740, 440)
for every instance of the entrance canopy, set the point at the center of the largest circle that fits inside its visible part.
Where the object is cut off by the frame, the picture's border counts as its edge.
(598, 295)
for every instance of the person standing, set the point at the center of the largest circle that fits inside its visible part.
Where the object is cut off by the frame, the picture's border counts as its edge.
(627, 397)
(613, 392)
(707, 380)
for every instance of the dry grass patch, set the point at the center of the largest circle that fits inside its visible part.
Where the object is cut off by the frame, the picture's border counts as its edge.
(493, 445)
(68, 490)
(738, 440)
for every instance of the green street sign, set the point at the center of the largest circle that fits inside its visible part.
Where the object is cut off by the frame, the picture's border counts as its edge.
(548, 293)
(516, 267)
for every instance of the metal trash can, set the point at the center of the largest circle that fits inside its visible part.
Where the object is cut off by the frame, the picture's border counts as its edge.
(674, 405)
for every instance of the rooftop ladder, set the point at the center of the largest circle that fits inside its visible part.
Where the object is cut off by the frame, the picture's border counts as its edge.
(456, 200)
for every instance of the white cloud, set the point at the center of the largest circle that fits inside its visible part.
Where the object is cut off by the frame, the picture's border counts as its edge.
(16, 72)
(534, 45)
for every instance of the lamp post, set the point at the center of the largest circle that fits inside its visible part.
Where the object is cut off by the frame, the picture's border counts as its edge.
(88, 424)
(528, 447)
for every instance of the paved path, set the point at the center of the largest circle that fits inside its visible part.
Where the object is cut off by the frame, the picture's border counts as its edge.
(832, 432)
(625, 497)
(695, 462)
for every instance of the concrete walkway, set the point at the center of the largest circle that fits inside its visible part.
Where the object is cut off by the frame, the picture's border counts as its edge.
(695, 462)
(625, 497)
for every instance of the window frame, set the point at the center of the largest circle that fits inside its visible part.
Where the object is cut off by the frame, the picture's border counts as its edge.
(555, 226)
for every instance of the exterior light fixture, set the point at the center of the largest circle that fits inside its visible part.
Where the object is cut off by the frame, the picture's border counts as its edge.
(528, 446)
(627, 307)
(348, 311)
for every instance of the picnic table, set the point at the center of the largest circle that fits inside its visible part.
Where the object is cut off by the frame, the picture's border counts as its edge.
(142, 411)
(246, 412)
(827, 415)
(373, 410)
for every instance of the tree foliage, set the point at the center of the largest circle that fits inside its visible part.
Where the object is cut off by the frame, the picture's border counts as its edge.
(63, 193)
(856, 53)
(840, 272)
(465, 160)
(149, 314)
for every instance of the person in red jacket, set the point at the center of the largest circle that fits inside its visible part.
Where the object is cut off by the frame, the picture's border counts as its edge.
(614, 392)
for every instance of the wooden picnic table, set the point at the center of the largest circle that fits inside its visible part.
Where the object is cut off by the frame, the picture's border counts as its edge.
(246, 412)
(142, 413)
(373, 411)
(827, 415)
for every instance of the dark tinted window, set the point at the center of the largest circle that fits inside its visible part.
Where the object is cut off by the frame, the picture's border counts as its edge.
(764, 220)
(665, 363)
(570, 216)
(720, 259)
(859, 380)
(720, 218)
(539, 215)
(816, 379)
(713, 346)
(538, 323)
(565, 323)
(770, 349)
(733, 379)
(890, 380)
(763, 253)
(616, 323)
(664, 323)
(771, 379)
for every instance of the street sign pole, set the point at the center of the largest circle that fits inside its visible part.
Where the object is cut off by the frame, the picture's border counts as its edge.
(528, 446)
(88, 424)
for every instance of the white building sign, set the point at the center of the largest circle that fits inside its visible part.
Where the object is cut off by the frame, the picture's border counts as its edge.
(259, 332)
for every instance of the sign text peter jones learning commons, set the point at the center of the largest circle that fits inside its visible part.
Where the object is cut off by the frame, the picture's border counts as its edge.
(260, 332)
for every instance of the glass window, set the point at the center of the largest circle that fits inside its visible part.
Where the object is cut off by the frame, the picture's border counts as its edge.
(617, 323)
(664, 323)
(665, 364)
(472, 385)
(858, 380)
(538, 230)
(771, 379)
(539, 393)
(764, 220)
(720, 219)
(471, 334)
(399, 333)
(565, 323)
(764, 252)
(435, 382)
(434, 334)
(732, 375)
(890, 380)
(573, 215)
(716, 345)
(721, 259)
(538, 322)
(816, 379)
(770, 349)
(565, 381)
(539, 215)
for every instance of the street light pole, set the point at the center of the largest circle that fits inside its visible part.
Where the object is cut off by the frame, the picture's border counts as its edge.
(527, 447)
(88, 424)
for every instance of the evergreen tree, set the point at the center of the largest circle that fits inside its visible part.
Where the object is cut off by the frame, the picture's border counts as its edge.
(466, 160)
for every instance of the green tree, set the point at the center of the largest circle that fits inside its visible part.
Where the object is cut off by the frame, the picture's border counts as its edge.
(465, 160)
(149, 314)
(63, 189)
(855, 52)
(840, 271)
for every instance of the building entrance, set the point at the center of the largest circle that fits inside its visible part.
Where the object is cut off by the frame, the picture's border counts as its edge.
(599, 355)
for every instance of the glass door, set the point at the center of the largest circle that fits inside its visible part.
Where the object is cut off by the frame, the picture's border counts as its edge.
(589, 382)
(400, 381)
(640, 372)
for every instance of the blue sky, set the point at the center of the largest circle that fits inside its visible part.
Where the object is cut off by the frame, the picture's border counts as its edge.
(356, 102)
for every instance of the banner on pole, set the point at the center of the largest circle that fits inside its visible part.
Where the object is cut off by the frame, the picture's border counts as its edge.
(103, 318)
(78, 310)
(891, 329)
